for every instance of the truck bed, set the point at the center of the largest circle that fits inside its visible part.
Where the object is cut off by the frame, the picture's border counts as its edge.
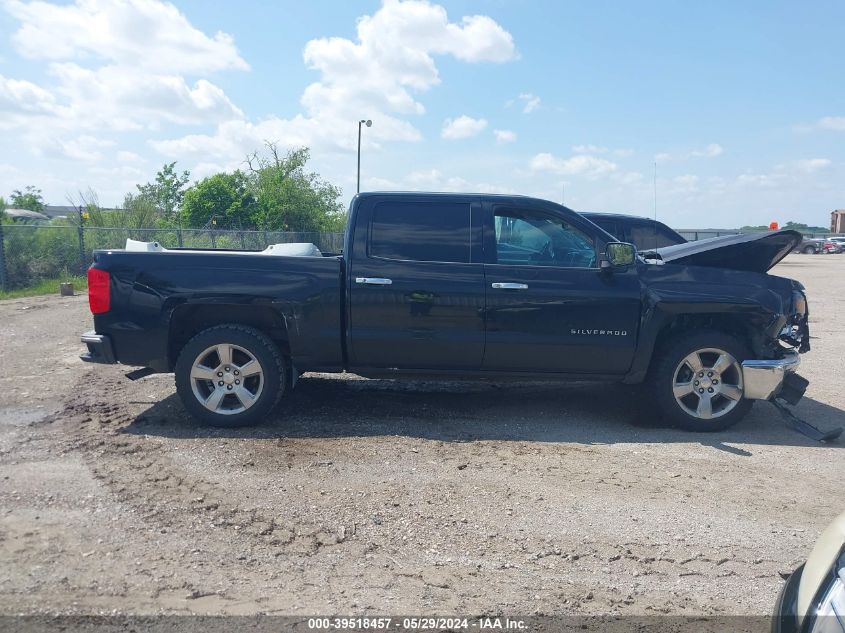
(152, 290)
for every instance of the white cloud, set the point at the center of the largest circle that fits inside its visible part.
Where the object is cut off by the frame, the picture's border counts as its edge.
(504, 136)
(462, 127)
(712, 150)
(114, 66)
(84, 148)
(24, 97)
(529, 101)
(147, 34)
(378, 75)
(684, 185)
(836, 123)
(579, 165)
(629, 178)
(432, 180)
(599, 149)
(122, 98)
(124, 156)
(589, 149)
(810, 165)
(761, 180)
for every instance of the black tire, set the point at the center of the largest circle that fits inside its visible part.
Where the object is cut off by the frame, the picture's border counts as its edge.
(667, 366)
(243, 342)
(808, 250)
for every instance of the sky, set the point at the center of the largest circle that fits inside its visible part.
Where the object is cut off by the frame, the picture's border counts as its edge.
(738, 109)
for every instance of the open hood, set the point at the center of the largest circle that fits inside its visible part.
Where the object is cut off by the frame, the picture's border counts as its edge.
(755, 252)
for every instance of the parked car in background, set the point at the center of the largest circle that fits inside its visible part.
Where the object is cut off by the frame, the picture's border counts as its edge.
(643, 233)
(813, 598)
(838, 243)
(809, 246)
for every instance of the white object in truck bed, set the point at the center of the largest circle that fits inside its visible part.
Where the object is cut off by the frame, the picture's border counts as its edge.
(293, 249)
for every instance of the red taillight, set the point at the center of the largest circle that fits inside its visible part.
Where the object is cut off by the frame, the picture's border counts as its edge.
(99, 297)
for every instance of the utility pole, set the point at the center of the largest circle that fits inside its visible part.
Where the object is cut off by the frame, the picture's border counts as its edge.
(368, 123)
(655, 191)
(2, 258)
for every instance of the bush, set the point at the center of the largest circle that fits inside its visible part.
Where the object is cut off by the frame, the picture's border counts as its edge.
(34, 253)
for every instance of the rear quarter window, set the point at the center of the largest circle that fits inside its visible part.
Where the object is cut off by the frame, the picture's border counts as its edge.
(421, 231)
(649, 236)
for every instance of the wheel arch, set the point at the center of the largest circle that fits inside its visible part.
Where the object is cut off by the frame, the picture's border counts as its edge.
(188, 320)
(665, 326)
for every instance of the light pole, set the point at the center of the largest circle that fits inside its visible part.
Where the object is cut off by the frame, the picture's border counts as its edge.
(368, 123)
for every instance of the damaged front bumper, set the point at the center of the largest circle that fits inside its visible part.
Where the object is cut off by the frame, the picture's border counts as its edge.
(764, 379)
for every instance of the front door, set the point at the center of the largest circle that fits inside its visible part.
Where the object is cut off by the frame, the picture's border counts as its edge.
(550, 308)
(417, 284)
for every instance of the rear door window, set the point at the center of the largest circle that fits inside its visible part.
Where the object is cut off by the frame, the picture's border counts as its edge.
(421, 231)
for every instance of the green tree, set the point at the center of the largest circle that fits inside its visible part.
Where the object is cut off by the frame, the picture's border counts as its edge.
(166, 191)
(30, 198)
(289, 198)
(138, 212)
(221, 195)
(798, 226)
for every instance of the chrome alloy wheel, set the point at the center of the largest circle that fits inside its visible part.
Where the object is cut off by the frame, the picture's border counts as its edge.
(226, 379)
(708, 383)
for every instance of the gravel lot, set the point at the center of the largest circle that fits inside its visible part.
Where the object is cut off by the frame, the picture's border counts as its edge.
(376, 497)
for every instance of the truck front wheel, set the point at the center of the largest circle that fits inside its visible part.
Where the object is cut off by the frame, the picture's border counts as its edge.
(697, 381)
(230, 375)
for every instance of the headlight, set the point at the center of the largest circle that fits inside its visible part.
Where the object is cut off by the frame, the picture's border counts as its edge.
(828, 616)
(799, 302)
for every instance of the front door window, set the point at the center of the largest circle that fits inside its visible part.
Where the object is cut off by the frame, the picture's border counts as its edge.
(534, 239)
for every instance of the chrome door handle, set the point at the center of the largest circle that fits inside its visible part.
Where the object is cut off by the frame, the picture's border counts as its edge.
(498, 285)
(373, 281)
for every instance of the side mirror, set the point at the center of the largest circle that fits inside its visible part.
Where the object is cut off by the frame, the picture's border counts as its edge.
(619, 254)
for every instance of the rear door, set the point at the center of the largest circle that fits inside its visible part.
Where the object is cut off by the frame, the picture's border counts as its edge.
(417, 283)
(550, 308)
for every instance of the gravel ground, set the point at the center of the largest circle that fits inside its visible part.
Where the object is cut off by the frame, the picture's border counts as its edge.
(367, 496)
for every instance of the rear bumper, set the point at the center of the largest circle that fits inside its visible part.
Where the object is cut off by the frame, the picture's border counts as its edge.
(763, 379)
(100, 349)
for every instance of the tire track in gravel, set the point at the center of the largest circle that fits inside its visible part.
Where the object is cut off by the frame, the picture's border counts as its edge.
(138, 471)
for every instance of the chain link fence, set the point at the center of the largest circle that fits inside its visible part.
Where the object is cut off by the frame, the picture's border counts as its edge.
(30, 253)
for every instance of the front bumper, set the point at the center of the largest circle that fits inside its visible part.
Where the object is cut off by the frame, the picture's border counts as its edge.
(763, 379)
(100, 349)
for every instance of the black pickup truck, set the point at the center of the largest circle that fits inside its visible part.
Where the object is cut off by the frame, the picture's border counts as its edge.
(458, 286)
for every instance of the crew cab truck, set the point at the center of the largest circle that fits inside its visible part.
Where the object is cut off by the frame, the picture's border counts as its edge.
(458, 286)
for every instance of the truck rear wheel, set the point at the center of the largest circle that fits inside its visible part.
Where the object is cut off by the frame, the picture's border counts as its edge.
(230, 375)
(697, 381)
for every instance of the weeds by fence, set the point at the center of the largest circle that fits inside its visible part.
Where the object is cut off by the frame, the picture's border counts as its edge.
(30, 253)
